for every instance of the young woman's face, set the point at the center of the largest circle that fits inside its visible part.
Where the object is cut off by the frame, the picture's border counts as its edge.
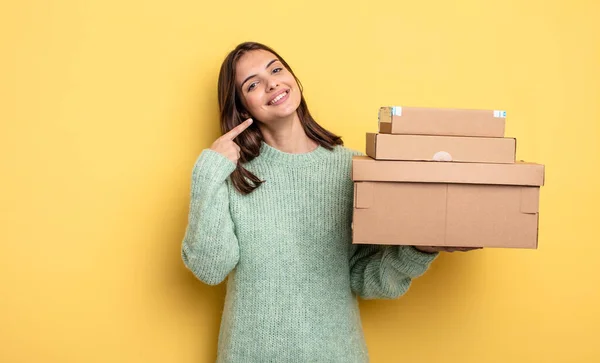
(269, 90)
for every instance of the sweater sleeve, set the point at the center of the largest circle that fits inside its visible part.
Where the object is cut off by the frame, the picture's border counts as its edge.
(385, 272)
(210, 247)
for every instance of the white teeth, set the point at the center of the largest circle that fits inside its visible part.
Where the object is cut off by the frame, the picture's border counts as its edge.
(279, 97)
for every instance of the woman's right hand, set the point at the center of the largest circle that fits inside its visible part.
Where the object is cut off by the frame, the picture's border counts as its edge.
(225, 146)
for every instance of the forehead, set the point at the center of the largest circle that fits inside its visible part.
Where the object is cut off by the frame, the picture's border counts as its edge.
(252, 63)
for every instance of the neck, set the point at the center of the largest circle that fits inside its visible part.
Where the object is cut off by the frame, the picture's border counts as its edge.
(288, 135)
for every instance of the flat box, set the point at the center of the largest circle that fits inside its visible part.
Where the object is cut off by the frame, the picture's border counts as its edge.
(446, 204)
(441, 148)
(441, 121)
(365, 168)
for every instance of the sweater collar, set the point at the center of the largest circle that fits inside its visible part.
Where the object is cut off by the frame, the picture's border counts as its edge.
(271, 154)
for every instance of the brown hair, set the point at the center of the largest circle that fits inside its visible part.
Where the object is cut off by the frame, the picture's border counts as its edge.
(233, 112)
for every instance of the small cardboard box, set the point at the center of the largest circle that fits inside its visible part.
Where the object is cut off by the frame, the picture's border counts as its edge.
(441, 148)
(441, 121)
(446, 204)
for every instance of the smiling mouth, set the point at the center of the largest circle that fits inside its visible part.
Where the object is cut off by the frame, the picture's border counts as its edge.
(282, 96)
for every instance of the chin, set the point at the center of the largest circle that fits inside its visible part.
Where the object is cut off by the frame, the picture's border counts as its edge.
(287, 114)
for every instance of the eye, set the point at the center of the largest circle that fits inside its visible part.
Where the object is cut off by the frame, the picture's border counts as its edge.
(251, 86)
(277, 70)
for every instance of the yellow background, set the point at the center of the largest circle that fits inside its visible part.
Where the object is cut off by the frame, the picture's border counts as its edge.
(105, 105)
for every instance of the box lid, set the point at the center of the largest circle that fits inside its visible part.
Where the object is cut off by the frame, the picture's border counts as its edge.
(365, 168)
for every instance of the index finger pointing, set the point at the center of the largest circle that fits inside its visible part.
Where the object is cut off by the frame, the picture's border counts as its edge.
(233, 133)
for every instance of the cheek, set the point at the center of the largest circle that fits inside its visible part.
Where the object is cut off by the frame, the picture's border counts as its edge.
(297, 94)
(254, 101)
(297, 97)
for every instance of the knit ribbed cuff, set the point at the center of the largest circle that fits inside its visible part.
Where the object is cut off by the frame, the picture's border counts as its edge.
(419, 257)
(213, 167)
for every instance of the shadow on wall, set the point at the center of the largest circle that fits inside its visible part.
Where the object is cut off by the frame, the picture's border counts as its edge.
(200, 305)
(451, 277)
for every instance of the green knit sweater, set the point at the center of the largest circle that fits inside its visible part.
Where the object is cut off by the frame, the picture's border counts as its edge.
(293, 273)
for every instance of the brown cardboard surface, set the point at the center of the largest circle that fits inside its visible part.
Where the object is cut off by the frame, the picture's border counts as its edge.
(365, 168)
(443, 214)
(441, 148)
(441, 121)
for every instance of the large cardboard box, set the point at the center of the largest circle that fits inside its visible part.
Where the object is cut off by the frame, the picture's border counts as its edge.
(441, 121)
(446, 204)
(441, 148)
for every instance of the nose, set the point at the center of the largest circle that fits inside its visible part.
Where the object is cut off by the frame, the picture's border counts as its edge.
(272, 84)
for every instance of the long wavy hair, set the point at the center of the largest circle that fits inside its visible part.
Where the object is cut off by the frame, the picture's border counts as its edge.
(233, 112)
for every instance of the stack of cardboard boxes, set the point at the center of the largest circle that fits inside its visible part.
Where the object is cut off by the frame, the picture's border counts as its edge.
(444, 177)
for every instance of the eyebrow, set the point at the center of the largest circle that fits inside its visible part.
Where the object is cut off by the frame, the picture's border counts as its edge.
(254, 75)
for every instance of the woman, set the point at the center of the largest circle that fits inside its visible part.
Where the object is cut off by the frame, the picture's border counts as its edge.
(271, 207)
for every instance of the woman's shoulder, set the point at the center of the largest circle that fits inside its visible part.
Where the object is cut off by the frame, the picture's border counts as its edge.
(347, 151)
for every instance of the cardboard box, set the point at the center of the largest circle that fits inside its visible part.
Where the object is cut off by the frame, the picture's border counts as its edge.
(446, 204)
(441, 148)
(441, 121)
